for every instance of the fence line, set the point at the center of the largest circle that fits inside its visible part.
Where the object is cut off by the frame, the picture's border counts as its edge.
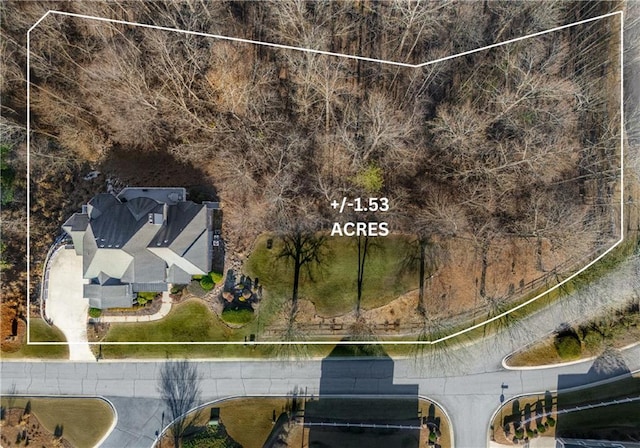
(397, 328)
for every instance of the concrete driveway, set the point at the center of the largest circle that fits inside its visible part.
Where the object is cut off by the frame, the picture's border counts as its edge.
(65, 305)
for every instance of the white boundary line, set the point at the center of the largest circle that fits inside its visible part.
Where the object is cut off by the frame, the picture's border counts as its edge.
(360, 58)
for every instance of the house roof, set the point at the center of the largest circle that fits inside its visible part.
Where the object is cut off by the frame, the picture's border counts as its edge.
(139, 240)
(108, 296)
(77, 223)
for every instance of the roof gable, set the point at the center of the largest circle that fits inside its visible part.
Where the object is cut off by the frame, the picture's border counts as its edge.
(140, 240)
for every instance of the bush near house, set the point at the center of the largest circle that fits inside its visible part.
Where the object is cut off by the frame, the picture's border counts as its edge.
(207, 282)
(144, 297)
(95, 312)
(177, 289)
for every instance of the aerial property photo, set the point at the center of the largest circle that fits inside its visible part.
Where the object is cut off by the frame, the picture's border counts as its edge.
(349, 223)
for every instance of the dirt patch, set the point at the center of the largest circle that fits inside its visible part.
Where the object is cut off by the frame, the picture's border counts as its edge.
(20, 429)
(13, 330)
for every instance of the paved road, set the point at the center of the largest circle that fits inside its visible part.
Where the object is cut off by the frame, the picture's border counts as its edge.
(470, 399)
(465, 380)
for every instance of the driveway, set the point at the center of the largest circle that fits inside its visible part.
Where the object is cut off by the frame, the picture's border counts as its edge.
(65, 305)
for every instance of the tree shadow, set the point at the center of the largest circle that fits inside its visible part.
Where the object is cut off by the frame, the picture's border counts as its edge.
(600, 404)
(159, 168)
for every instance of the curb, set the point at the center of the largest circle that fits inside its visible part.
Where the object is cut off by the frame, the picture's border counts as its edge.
(560, 364)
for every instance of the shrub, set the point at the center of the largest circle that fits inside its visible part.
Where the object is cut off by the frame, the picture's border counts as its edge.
(176, 289)
(530, 434)
(237, 317)
(592, 340)
(568, 347)
(95, 312)
(371, 179)
(541, 428)
(551, 421)
(518, 433)
(216, 277)
(144, 297)
(207, 283)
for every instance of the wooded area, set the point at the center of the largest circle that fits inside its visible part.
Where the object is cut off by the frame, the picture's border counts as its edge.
(515, 148)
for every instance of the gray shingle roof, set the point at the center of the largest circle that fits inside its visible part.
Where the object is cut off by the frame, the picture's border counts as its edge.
(140, 241)
(109, 296)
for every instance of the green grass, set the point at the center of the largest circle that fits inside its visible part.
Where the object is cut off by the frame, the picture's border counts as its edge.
(249, 421)
(41, 332)
(85, 420)
(191, 321)
(332, 287)
(238, 317)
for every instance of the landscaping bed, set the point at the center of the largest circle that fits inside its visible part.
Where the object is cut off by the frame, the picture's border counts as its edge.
(597, 412)
(54, 422)
(40, 332)
(616, 328)
(250, 422)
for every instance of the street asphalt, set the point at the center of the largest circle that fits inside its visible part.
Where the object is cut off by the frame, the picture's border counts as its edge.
(465, 380)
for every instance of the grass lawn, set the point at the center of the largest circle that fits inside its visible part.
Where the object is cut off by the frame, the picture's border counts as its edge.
(191, 321)
(249, 421)
(332, 286)
(85, 420)
(41, 332)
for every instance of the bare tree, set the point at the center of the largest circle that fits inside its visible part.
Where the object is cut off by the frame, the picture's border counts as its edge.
(363, 243)
(303, 245)
(179, 387)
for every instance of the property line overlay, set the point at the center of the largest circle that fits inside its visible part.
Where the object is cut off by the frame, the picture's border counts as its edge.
(347, 56)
